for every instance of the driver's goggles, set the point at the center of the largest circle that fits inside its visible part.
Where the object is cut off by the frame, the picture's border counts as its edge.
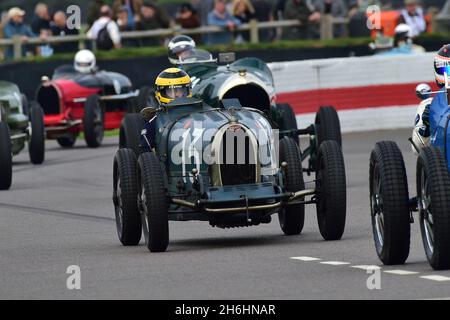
(176, 91)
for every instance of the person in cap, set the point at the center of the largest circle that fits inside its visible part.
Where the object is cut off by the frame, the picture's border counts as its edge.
(16, 27)
(171, 84)
(413, 16)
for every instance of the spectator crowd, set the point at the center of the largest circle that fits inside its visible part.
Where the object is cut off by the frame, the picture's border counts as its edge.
(106, 20)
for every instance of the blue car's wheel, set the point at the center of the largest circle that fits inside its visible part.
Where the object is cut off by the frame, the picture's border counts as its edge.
(389, 202)
(433, 190)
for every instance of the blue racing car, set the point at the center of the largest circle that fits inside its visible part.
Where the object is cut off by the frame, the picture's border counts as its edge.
(391, 207)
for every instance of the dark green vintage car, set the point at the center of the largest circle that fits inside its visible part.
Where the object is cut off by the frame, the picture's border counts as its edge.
(226, 165)
(19, 124)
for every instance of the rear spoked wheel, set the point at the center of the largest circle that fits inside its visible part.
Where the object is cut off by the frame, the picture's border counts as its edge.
(93, 121)
(128, 220)
(292, 217)
(328, 126)
(130, 132)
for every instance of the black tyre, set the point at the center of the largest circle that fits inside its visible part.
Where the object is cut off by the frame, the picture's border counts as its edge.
(68, 141)
(36, 145)
(153, 203)
(287, 119)
(5, 157)
(130, 132)
(328, 126)
(93, 121)
(389, 203)
(292, 217)
(146, 98)
(433, 190)
(25, 104)
(332, 191)
(128, 220)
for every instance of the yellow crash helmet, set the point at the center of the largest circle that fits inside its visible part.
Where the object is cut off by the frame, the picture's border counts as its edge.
(171, 84)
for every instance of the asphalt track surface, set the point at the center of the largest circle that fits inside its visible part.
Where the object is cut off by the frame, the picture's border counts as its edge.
(61, 214)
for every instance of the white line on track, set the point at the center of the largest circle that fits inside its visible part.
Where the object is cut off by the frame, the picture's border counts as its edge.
(335, 263)
(305, 258)
(366, 267)
(436, 278)
(401, 272)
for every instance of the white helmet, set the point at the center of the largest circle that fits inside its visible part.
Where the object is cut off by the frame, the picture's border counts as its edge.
(402, 34)
(85, 61)
(178, 46)
(403, 28)
(442, 66)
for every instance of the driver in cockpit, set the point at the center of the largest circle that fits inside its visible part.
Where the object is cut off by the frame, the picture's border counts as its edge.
(171, 84)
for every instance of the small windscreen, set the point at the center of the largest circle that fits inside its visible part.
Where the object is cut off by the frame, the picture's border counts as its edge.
(196, 56)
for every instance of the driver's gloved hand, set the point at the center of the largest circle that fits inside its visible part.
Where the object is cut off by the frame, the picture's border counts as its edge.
(424, 130)
(148, 137)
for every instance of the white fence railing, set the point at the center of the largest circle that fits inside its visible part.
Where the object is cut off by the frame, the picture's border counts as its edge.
(327, 22)
(253, 27)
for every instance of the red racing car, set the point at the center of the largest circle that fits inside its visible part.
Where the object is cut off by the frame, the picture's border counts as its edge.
(93, 102)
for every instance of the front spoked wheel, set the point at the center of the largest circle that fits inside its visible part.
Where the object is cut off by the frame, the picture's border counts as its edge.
(433, 189)
(153, 203)
(389, 203)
